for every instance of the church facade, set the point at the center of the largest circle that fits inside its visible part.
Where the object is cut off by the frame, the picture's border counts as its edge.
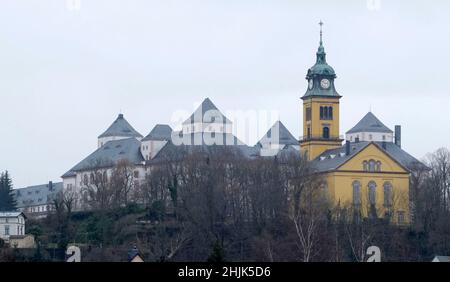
(370, 173)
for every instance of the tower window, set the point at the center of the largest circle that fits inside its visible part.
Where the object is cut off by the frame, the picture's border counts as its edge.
(326, 113)
(326, 132)
(308, 114)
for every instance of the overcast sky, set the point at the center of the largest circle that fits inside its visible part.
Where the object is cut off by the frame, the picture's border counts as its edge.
(65, 73)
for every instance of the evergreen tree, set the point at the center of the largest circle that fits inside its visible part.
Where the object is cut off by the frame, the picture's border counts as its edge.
(7, 200)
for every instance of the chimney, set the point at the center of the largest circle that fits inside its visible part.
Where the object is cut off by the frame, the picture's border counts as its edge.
(347, 148)
(50, 186)
(398, 136)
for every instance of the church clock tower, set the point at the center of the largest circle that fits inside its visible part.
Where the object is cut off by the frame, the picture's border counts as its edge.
(320, 108)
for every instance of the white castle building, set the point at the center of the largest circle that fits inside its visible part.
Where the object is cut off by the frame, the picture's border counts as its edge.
(206, 126)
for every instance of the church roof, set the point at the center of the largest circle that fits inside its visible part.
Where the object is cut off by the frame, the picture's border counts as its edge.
(334, 158)
(109, 154)
(278, 130)
(120, 127)
(207, 106)
(369, 123)
(159, 132)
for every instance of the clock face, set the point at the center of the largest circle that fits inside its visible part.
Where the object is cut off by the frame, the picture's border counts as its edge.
(325, 83)
(311, 84)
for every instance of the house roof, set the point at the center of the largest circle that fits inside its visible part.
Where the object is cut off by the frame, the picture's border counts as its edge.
(332, 159)
(134, 252)
(205, 112)
(369, 123)
(109, 154)
(37, 194)
(120, 127)
(442, 258)
(160, 132)
(278, 134)
(12, 214)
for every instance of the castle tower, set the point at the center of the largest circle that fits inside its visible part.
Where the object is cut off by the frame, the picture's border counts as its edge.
(320, 108)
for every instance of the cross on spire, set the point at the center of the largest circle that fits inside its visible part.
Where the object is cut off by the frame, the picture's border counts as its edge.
(321, 24)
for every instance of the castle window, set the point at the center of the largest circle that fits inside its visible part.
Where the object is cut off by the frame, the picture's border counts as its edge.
(326, 132)
(309, 133)
(387, 187)
(356, 193)
(330, 112)
(370, 136)
(321, 113)
(384, 137)
(372, 192)
(378, 166)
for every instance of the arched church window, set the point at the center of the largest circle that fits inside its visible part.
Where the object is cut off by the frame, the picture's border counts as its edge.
(378, 166)
(356, 193)
(387, 187)
(326, 132)
(372, 192)
(365, 166)
(372, 165)
(85, 180)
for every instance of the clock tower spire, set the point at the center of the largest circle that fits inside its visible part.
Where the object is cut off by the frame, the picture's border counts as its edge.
(320, 107)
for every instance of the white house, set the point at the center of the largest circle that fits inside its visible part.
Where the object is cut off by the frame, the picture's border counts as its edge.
(11, 224)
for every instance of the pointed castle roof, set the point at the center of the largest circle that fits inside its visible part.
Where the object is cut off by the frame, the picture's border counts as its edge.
(370, 123)
(120, 127)
(161, 132)
(278, 130)
(207, 112)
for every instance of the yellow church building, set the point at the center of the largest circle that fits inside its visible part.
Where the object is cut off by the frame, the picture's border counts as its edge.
(370, 173)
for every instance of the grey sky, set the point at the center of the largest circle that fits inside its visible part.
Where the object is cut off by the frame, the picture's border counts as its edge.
(65, 75)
